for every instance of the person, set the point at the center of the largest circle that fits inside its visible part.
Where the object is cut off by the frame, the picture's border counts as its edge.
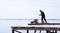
(42, 16)
(35, 21)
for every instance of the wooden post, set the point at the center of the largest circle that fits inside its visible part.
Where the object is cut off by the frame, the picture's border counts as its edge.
(27, 31)
(40, 31)
(47, 31)
(35, 31)
(12, 30)
(56, 31)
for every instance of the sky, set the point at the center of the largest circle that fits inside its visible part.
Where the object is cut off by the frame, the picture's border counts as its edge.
(26, 9)
(29, 9)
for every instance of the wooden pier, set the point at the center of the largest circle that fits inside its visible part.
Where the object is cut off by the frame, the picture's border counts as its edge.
(46, 26)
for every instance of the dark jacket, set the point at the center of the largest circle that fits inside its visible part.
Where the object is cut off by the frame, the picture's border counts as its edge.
(42, 14)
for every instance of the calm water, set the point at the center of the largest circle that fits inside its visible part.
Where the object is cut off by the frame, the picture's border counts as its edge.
(5, 25)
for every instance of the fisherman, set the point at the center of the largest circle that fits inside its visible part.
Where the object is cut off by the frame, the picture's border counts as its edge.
(42, 16)
(35, 21)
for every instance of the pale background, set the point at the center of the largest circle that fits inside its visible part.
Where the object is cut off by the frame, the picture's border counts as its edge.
(26, 9)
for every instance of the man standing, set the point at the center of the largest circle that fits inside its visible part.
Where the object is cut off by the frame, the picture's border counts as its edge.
(42, 16)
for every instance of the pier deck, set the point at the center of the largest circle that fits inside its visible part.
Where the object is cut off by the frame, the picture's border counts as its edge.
(49, 26)
(45, 24)
(37, 27)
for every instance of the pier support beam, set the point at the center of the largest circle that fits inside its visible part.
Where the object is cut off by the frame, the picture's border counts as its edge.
(27, 31)
(40, 31)
(12, 30)
(35, 31)
(47, 31)
(56, 31)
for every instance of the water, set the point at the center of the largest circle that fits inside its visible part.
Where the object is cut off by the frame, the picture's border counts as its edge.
(5, 25)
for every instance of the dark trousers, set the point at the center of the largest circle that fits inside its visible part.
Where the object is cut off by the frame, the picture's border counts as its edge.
(43, 19)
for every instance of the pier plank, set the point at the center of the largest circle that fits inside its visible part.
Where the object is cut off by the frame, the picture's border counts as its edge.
(44, 24)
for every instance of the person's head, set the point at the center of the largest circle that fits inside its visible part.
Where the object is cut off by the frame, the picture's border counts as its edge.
(36, 20)
(40, 10)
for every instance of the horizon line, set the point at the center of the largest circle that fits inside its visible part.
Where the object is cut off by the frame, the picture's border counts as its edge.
(27, 19)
